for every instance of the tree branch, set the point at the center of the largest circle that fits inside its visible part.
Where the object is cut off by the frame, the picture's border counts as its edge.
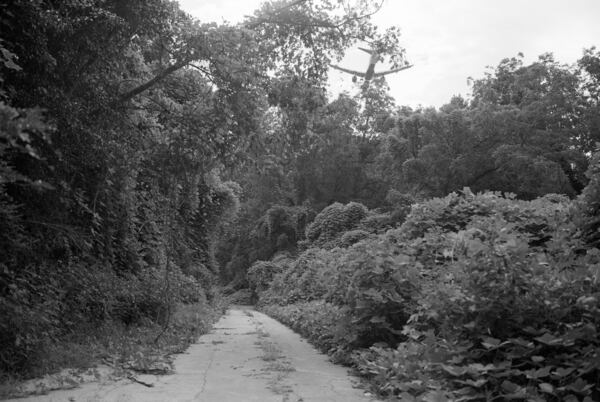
(482, 175)
(159, 77)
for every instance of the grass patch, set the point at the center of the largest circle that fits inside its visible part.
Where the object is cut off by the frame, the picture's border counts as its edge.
(283, 366)
(262, 333)
(270, 351)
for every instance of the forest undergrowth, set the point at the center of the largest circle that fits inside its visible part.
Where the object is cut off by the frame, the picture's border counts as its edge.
(125, 351)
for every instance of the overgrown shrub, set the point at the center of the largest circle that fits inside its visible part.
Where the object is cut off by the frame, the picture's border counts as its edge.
(322, 323)
(47, 302)
(261, 273)
(374, 280)
(376, 223)
(503, 320)
(306, 278)
(477, 297)
(455, 211)
(279, 229)
(353, 236)
(400, 204)
(377, 282)
(242, 296)
(153, 293)
(332, 221)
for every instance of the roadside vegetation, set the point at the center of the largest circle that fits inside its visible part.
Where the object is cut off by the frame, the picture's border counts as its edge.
(473, 297)
(436, 291)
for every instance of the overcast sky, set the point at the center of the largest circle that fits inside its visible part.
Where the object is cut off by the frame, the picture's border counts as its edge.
(450, 40)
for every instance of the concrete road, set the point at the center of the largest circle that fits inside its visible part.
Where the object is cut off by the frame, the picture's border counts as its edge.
(248, 356)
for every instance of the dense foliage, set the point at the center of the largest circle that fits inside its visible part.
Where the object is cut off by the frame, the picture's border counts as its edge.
(119, 122)
(473, 297)
(147, 157)
(527, 130)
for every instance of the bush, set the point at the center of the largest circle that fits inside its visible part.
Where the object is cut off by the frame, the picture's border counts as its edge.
(503, 321)
(47, 302)
(377, 282)
(400, 203)
(374, 280)
(377, 223)
(332, 221)
(475, 297)
(260, 275)
(153, 294)
(538, 218)
(242, 296)
(322, 323)
(405, 371)
(306, 278)
(279, 229)
(353, 236)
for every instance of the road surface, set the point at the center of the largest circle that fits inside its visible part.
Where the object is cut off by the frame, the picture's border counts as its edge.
(247, 356)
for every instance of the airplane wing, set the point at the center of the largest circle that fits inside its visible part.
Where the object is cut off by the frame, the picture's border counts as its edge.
(347, 70)
(395, 70)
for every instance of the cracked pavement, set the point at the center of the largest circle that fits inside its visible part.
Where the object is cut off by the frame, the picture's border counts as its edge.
(248, 356)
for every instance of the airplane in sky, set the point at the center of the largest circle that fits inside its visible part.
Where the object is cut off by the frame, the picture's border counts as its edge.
(370, 73)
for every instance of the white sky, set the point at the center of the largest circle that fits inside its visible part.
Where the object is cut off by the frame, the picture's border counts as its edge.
(450, 40)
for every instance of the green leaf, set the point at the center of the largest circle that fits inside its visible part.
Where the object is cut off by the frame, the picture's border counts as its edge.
(492, 343)
(510, 387)
(563, 372)
(474, 383)
(549, 339)
(540, 373)
(455, 371)
(579, 386)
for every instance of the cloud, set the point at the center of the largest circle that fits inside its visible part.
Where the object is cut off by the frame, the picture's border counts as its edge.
(448, 41)
(219, 10)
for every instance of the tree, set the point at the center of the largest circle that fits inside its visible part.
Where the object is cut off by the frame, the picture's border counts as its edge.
(525, 131)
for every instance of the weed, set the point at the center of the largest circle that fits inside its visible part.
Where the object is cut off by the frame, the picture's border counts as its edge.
(270, 351)
(283, 366)
(262, 333)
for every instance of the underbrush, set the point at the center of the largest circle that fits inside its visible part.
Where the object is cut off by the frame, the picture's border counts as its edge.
(145, 347)
(477, 297)
(48, 304)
